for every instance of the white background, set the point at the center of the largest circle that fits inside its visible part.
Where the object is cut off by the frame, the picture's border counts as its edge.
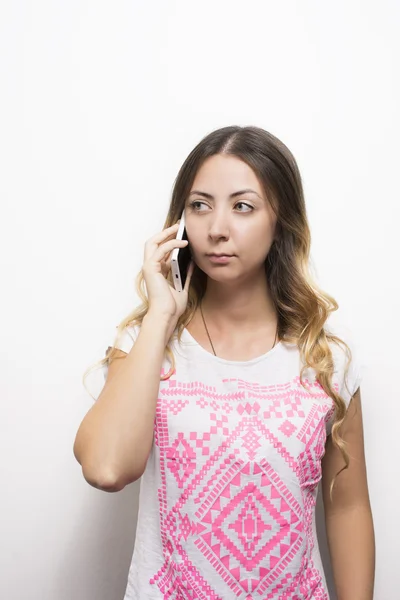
(100, 103)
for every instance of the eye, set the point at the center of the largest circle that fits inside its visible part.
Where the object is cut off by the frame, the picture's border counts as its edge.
(245, 204)
(194, 202)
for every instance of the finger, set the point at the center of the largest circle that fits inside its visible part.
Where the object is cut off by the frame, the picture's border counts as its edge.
(166, 266)
(152, 243)
(165, 233)
(167, 247)
(165, 269)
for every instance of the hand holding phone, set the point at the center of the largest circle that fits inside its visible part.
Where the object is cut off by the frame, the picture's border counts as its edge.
(180, 258)
(164, 300)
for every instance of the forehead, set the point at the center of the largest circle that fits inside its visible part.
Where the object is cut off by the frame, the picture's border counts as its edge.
(226, 174)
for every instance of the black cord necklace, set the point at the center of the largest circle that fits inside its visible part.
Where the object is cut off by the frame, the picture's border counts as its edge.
(209, 337)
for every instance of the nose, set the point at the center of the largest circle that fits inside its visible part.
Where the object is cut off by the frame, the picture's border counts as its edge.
(219, 226)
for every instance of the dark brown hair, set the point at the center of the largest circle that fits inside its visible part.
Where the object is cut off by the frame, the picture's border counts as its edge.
(302, 306)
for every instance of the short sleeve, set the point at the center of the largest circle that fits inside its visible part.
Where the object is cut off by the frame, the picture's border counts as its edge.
(124, 342)
(127, 338)
(347, 383)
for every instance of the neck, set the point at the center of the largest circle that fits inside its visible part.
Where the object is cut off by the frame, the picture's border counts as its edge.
(244, 308)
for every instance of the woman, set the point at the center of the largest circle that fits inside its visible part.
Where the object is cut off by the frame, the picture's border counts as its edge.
(232, 400)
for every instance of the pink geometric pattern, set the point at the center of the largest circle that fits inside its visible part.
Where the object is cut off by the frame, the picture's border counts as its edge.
(287, 428)
(239, 476)
(180, 457)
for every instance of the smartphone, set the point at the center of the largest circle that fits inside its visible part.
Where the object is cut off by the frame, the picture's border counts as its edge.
(180, 258)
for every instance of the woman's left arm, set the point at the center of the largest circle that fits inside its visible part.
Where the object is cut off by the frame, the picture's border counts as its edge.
(348, 518)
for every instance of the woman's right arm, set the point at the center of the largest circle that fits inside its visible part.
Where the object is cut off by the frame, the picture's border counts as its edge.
(114, 439)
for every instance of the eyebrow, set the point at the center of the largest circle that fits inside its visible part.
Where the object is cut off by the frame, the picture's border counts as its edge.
(210, 197)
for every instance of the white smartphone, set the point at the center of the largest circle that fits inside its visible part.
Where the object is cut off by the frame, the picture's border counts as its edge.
(180, 258)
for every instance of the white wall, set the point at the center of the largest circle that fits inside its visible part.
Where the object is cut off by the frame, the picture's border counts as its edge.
(100, 104)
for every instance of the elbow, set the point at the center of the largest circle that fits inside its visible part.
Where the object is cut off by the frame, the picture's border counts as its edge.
(107, 480)
(109, 484)
(103, 482)
(102, 478)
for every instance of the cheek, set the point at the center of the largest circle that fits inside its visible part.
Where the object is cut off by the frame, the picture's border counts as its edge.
(252, 237)
(255, 243)
(194, 240)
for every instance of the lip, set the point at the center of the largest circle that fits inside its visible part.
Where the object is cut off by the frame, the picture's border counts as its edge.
(220, 258)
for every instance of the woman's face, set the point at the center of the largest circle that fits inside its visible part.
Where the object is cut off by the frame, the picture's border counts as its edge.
(242, 226)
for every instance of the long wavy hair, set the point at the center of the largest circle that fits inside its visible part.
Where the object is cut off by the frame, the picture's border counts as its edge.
(302, 307)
